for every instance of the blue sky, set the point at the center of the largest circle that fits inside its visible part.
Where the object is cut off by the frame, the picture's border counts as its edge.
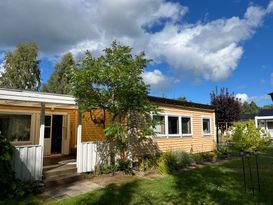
(196, 45)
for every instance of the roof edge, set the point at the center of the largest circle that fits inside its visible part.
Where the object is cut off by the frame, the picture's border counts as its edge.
(179, 102)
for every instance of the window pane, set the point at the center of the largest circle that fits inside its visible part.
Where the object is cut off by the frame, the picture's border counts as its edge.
(206, 125)
(186, 125)
(160, 127)
(47, 120)
(47, 132)
(15, 127)
(173, 125)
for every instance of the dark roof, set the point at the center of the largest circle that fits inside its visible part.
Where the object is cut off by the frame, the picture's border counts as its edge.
(271, 94)
(246, 117)
(179, 102)
(266, 112)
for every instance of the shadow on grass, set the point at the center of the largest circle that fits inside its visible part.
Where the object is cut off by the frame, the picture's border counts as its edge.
(224, 184)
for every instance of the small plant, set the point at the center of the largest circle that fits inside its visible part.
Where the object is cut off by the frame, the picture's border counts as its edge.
(173, 161)
(197, 157)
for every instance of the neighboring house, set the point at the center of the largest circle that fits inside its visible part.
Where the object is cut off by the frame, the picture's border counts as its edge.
(43, 126)
(264, 119)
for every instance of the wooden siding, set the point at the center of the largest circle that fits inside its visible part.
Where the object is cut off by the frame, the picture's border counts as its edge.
(92, 132)
(36, 112)
(197, 142)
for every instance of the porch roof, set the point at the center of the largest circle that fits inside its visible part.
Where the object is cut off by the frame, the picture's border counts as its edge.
(22, 97)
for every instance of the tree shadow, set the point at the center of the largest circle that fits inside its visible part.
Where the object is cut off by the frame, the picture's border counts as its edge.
(218, 185)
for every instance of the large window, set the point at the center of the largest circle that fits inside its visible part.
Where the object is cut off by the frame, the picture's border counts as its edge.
(186, 125)
(160, 126)
(206, 126)
(173, 125)
(15, 127)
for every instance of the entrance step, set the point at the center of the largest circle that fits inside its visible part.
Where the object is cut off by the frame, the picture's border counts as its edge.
(62, 174)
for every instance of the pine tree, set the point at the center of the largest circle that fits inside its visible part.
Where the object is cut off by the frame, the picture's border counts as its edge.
(60, 80)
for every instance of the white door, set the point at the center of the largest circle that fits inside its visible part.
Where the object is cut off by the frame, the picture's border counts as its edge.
(48, 134)
(66, 135)
(270, 128)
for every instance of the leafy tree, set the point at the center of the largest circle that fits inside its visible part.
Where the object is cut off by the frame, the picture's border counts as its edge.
(112, 86)
(21, 68)
(268, 107)
(247, 137)
(227, 107)
(250, 108)
(60, 80)
(182, 98)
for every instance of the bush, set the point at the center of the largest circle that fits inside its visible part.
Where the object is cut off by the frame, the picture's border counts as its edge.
(197, 157)
(10, 186)
(173, 161)
(7, 176)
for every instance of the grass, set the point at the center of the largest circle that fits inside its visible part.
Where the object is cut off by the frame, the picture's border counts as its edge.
(214, 184)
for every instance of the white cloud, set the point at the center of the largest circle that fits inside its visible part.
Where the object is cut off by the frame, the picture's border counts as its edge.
(156, 80)
(210, 49)
(243, 97)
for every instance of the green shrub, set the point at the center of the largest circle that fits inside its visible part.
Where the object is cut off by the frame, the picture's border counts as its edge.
(173, 161)
(7, 176)
(10, 186)
(197, 157)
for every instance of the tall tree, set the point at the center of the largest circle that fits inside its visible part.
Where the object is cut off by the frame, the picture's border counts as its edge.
(21, 68)
(60, 80)
(250, 108)
(227, 107)
(112, 85)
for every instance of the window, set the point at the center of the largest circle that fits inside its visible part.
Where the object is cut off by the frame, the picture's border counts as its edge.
(206, 126)
(173, 125)
(47, 126)
(160, 126)
(15, 127)
(186, 125)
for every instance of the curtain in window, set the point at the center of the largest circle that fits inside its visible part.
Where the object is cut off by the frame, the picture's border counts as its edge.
(15, 127)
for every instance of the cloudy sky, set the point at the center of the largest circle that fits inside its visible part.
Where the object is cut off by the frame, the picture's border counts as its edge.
(195, 45)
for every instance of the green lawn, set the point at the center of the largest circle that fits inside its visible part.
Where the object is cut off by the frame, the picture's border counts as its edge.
(214, 184)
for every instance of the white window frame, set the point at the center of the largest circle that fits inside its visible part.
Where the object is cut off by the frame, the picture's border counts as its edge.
(188, 134)
(32, 125)
(179, 135)
(210, 125)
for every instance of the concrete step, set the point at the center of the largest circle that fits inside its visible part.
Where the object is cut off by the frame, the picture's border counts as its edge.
(60, 170)
(49, 167)
(63, 180)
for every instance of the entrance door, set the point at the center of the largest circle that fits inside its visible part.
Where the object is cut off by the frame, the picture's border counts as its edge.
(57, 133)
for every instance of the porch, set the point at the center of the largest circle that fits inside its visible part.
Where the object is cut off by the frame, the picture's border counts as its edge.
(40, 127)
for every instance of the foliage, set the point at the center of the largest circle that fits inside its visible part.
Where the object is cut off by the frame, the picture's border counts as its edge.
(112, 85)
(60, 80)
(182, 98)
(10, 186)
(173, 161)
(249, 138)
(227, 107)
(268, 107)
(7, 176)
(250, 108)
(21, 68)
